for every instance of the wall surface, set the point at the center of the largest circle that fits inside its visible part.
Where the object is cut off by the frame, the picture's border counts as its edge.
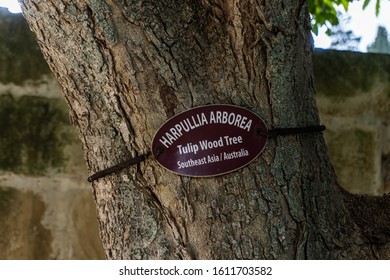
(353, 96)
(46, 205)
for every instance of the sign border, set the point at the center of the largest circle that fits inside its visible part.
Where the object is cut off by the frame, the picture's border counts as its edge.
(264, 134)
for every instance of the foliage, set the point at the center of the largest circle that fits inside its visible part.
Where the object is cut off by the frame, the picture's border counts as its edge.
(381, 43)
(343, 38)
(324, 12)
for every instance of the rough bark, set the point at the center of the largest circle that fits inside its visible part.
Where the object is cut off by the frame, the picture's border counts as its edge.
(127, 66)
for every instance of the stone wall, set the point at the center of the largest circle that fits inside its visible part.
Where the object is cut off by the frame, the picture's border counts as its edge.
(46, 205)
(353, 96)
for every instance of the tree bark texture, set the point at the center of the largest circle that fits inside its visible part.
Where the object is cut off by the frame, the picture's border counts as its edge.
(126, 66)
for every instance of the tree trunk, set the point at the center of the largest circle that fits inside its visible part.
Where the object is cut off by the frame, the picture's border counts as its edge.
(127, 66)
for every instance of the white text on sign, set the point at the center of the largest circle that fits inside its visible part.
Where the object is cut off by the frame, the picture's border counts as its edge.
(199, 120)
(207, 144)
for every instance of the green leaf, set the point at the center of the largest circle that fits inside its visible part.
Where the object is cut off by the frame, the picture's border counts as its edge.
(324, 12)
(315, 29)
(345, 4)
(377, 7)
(365, 4)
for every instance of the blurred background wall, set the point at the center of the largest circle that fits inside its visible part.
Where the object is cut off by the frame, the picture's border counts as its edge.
(46, 206)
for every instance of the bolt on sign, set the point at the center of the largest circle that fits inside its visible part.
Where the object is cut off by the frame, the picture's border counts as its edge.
(209, 141)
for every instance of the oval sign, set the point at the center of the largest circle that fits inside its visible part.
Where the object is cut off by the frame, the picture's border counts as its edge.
(209, 140)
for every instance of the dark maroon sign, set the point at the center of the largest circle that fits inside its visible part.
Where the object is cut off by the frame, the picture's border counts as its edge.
(209, 140)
